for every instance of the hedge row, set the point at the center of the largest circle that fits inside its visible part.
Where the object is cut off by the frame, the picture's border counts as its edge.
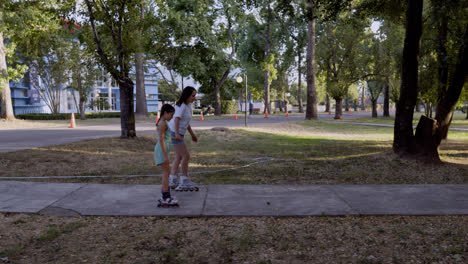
(67, 116)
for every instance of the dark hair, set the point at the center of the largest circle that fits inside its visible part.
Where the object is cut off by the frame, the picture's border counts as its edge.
(186, 93)
(166, 108)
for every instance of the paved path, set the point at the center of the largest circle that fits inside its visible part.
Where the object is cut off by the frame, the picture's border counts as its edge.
(20, 139)
(75, 199)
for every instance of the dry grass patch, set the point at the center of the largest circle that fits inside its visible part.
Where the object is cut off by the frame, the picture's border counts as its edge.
(390, 239)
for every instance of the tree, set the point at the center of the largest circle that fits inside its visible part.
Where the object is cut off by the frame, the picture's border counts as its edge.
(83, 73)
(52, 69)
(430, 132)
(270, 32)
(166, 91)
(220, 48)
(113, 23)
(141, 108)
(292, 20)
(24, 24)
(375, 87)
(339, 44)
(258, 49)
(403, 129)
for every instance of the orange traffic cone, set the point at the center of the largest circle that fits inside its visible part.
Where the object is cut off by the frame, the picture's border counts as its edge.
(201, 116)
(72, 121)
(329, 111)
(349, 111)
(357, 111)
(287, 114)
(235, 116)
(266, 112)
(157, 117)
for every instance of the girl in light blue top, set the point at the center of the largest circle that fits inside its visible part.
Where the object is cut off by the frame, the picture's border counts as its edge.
(161, 155)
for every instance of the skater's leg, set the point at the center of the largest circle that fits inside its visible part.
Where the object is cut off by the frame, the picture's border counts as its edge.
(165, 178)
(178, 152)
(185, 160)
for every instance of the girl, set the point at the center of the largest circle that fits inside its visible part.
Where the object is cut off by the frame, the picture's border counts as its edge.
(161, 155)
(179, 125)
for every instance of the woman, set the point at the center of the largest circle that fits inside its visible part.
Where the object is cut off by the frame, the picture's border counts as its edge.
(179, 125)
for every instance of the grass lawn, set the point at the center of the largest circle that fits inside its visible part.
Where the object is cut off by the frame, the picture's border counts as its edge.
(307, 152)
(459, 119)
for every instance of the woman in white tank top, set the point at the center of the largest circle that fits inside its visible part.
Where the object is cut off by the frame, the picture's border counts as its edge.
(179, 125)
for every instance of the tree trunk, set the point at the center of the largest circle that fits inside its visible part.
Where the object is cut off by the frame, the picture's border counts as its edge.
(109, 91)
(426, 140)
(327, 104)
(446, 107)
(355, 105)
(347, 104)
(82, 109)
(374, 108)
(363, 105)
(5, 91)
(266, 84)
(442, 57)
(141, 105)
(217, 105)
(338, 108)
(286, 105)
(127, 116)
(218, 86)
(386, 106)
(403, 129)
(311, 110)
(299, 88)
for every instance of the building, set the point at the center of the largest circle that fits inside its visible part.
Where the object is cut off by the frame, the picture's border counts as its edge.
(105, 96)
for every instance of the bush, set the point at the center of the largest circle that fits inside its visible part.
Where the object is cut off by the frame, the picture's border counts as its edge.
(229, 107)
(66, 116)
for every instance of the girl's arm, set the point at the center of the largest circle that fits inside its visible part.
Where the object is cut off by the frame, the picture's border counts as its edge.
(176, 127)
(194, 138)
(162, 127)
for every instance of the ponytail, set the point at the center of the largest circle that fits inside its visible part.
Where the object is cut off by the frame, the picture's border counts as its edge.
(167, 108)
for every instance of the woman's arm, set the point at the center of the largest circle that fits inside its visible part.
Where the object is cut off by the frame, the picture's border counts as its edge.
(194, 138)
(176, 127)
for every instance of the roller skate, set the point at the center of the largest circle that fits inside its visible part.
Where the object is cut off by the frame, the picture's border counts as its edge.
(173, 182)
(166, 201)
(185, 185)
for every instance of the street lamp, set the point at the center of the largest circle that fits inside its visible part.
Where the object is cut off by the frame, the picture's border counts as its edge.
(239, 80)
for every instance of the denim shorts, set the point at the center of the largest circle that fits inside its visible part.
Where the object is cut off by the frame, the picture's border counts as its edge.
(175, 142)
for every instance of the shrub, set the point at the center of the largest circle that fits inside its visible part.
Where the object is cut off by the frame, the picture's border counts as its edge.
(65, 116)
(229, 107)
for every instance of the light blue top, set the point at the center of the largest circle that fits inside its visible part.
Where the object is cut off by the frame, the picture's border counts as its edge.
(158, 153)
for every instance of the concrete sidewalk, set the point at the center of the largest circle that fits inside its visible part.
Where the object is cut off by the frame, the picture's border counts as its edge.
(75, 199)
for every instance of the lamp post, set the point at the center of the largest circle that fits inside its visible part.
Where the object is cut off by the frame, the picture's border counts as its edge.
(239, 80)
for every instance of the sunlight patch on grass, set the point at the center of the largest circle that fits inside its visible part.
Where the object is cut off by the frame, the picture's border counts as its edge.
(342, 157)
(88, 152)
